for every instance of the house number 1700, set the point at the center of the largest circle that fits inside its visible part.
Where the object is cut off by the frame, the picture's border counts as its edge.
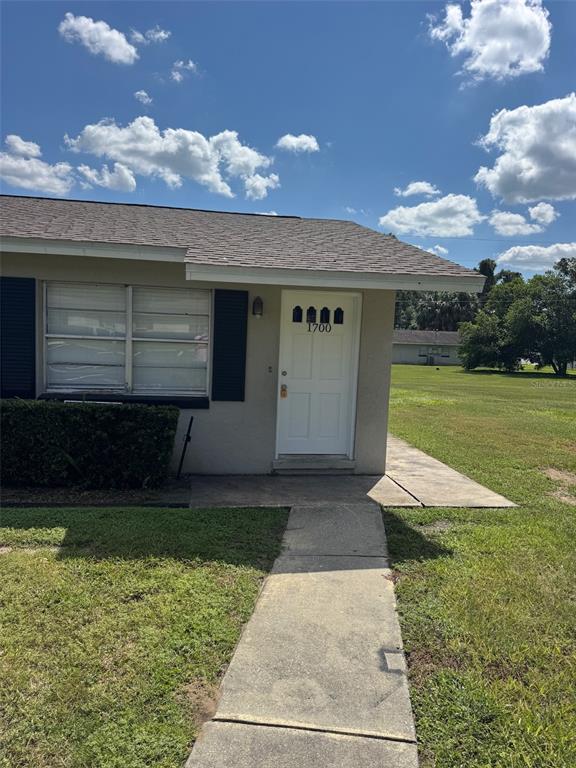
(319, 327)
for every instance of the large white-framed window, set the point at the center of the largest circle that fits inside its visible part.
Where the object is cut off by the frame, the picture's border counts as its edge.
(126, 338)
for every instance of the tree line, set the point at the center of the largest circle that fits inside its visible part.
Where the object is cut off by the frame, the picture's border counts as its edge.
(511, 321)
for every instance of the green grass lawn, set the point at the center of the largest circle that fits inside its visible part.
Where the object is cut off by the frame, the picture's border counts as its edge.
(486, 597)
(546, 369)
(115, 626)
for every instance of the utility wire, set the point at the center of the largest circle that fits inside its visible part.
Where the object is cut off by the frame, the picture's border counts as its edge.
(512, 241)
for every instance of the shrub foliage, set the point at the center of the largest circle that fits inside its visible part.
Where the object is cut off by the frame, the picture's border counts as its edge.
(88, 444)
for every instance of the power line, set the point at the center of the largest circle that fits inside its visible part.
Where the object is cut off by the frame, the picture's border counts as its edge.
(480, 300)
(471, 306)
(512, 241)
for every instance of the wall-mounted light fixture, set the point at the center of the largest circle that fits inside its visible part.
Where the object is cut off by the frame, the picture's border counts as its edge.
(257, 307)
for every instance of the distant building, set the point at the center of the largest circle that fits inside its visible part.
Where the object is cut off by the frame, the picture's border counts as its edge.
(425, 347)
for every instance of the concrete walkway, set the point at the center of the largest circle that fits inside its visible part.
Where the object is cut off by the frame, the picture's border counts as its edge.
(433, 483)
(318, 679)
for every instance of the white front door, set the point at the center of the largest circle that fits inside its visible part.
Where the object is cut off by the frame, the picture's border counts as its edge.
(319, 338)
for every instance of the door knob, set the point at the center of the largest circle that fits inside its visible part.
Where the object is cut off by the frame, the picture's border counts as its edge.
(283, 391)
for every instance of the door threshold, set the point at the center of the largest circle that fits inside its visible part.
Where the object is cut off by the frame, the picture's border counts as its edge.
(313, 463)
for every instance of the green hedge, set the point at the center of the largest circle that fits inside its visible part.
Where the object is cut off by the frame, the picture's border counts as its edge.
(85, 444)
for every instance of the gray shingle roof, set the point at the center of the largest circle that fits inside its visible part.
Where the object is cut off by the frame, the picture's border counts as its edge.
(224, 239)
(426, 337)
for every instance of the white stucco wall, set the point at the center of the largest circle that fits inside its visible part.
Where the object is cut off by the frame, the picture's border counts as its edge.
(239, 437)
(378, 309)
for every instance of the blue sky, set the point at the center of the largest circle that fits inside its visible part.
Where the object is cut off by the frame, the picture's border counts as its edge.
(379, 95)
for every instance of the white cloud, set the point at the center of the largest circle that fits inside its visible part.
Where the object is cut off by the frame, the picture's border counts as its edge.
(238, 159)
(538, 152)
(543, 213)
(21, 167)
(175, 154)
(121, 179)
(143, 97)
(418, 188)
(450, 216)
(301, 143)
(179, 68)
(154, 35)
(98, 38)
(439, 250)
(257, 186)
(511, 224)
(355, 211)
(137, 37)
(536, 257)
(267, 213)
(17, 146)
(500, 39)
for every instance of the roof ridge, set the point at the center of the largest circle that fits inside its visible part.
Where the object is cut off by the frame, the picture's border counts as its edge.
(198, 210)
(155, 205)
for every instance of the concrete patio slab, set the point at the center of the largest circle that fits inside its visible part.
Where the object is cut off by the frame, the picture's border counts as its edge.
(236, 745)
(413, 479)
(281, 491)
(433, 483)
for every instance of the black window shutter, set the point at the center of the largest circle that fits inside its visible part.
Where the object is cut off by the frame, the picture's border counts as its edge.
(229, 345)
(18, 337)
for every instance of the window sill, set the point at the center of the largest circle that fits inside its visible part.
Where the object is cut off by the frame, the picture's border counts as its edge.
(197, 402)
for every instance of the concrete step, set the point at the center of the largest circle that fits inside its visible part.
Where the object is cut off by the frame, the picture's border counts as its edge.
(313, 465)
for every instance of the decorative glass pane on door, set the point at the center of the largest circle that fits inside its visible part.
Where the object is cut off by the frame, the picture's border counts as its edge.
(338, 316)
(311, 315)
(324, 315)
(297, 314)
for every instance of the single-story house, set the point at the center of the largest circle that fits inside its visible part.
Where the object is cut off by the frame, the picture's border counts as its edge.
(275, 332)
(425, 347)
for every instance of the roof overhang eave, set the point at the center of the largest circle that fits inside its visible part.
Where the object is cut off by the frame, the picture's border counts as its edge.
(333, 279)
(224, 273)
(54, 247)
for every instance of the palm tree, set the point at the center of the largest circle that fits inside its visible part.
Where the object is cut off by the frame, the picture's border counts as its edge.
(487, 267)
